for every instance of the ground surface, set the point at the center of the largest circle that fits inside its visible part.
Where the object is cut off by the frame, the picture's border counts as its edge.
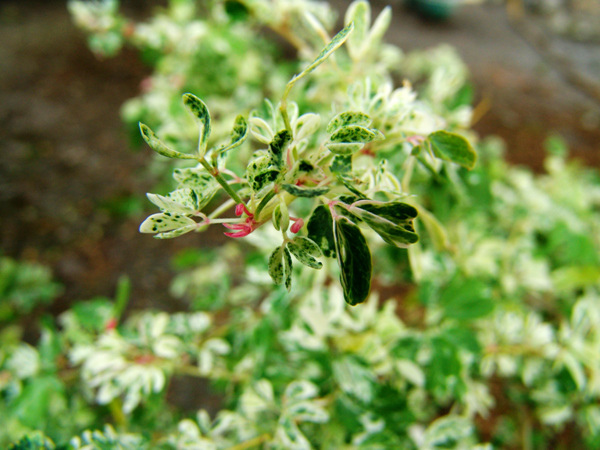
(67, 174)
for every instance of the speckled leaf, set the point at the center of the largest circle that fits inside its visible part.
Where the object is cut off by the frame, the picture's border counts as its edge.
(333, 45)
(393, 221)
(276, 265)
(344, 149)
(182, 201)
(300, 191)
(290, 435)
(353, 133)
(160, 147)
(239, 133)
(203, 185)
(348, 118)
(354, 258)
(341, 164)
(306, 125)
(305, 251)
(452, 147)
(167, 225)
(280, 267)
(261, 171)
(287, 265)
(199, 109)
(278, 146)
(320, 230)
(177, 232)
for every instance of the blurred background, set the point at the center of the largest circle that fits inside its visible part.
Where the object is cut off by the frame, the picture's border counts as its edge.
(72, 182)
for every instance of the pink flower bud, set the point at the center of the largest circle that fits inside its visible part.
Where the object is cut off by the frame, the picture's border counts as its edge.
(111, 324)
(297, 226)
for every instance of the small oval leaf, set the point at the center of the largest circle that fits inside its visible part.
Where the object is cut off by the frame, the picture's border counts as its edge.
(199, 109)
(160, 147)
(348, 118)
(305, 251)
(452, 147)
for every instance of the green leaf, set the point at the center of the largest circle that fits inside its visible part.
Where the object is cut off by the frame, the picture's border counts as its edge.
(160, 147)
(452, 147)
(32, 406)
(167, 225)
(320, 230)
(354, 258)
(199, 109)
(33, 441)
(348, 118)
(436, 230)
(466, 299)
(281, 217)
(306, 251)
(278, 146)
(359, 13)
(301, 191)
(354, 378)
(393, 221)
(333, 45)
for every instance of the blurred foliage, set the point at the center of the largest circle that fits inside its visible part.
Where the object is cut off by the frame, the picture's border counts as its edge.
(483, 334)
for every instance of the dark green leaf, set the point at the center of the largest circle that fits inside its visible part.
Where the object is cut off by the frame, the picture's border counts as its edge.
(354, 259)
(278, 146)
(301, 191)
(452, 147)
(320, 230)
(393, 221)
(466, 299)
(199, 109)
(306, 251)
(160, 147)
